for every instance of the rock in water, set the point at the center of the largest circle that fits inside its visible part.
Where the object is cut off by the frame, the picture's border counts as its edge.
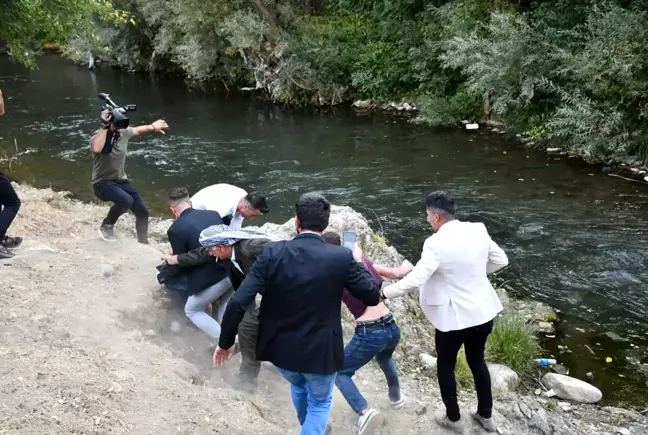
(569, 388)
(503, 378)
(107, 270)
(614, 336)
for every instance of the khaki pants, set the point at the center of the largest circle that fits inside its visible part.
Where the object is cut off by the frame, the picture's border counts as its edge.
(248, 332)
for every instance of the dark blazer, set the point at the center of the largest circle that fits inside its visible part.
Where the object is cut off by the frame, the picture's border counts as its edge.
(245, 254)
(183, 235)
(301, 281)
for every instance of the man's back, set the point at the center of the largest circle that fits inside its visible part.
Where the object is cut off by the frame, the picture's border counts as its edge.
(184, 236)
(459, 294)
(222, 198)
(300, 311)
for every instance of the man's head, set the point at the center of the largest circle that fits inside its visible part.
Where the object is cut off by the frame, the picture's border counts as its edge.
(179, 200)
(313, 211)
(253, 205)
(223, 252)
(441, 208)
(332, 238)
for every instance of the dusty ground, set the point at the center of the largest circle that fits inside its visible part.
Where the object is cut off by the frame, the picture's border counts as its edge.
(85, 353)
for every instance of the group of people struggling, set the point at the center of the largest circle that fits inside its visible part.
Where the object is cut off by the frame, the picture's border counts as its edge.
(283, 299)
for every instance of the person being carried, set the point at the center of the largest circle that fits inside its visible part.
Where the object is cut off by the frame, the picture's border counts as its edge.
(300, 327)
(232, 203)
(376, 336)
(206, 282)
(9, 206)
(459, 300)
(109, 146)
(237, 251)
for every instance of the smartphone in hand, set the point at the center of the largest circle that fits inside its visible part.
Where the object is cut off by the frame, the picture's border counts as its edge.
(349, 239)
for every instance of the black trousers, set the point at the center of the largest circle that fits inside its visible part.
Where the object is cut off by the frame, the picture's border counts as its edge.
(9, 204)
(447, 346)
(125, 197)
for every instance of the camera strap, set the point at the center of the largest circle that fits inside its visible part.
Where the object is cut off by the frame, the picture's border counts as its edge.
(111, 138)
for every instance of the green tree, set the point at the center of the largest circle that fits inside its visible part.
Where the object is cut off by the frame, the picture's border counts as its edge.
(27, 24)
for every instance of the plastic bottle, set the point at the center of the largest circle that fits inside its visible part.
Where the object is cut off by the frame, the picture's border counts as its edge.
(545, 362)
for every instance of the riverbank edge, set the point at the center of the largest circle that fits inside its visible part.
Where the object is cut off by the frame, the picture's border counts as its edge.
(48, 215)
(418, 334)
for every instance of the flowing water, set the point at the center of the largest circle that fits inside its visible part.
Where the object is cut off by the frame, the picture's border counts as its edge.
(576, 238)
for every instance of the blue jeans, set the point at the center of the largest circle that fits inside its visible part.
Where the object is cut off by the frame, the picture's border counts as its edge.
(312, 396)
(377, 338)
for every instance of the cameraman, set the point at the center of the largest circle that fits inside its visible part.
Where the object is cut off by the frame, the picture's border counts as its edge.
(109, 146)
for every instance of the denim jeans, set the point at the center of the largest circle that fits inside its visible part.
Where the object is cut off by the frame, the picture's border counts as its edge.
(197, 304)
(371, 339)
(124, 196)
(311, 395)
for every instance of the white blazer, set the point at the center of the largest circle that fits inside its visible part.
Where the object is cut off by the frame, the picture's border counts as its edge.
(455, 292)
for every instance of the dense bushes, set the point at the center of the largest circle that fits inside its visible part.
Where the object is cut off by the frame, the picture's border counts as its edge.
(571, 72)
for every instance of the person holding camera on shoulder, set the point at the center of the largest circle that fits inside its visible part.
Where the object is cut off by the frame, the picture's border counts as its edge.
(109, 147)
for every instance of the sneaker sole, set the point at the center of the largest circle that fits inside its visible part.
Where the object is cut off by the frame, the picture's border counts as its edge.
(105, 239)
(371, 424)
(399, 404)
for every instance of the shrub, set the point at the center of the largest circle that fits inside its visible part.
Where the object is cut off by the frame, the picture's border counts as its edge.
(514, 343)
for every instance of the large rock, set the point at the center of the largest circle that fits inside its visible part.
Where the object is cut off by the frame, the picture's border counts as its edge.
(569, 388)
(503, 378)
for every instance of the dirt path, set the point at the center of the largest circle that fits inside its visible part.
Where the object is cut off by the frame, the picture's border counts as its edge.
(87, 347)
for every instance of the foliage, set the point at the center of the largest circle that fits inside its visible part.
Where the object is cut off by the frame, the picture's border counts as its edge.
(564, 72)
(514, 343)
(25, 24)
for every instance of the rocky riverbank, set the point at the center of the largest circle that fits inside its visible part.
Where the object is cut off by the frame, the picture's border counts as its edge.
(86, 326)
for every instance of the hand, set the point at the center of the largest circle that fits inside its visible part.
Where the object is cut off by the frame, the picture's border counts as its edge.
(160, 125)
(210, 309)
(405, 268)
(357, 253)
(222, 355)
(170, 259)
(105, 115)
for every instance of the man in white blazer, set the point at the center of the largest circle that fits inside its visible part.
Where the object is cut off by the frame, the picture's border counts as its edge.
(458, 299)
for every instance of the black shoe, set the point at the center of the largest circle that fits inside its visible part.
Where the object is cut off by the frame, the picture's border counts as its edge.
(11, 242)
(5, 253)
(107, 233)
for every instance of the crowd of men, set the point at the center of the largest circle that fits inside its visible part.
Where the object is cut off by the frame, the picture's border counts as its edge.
(282, 300)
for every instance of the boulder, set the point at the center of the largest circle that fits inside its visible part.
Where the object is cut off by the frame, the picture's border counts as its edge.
(503, 378)
(363, 104)
(428, 360)
(107, 270)
(569, 388)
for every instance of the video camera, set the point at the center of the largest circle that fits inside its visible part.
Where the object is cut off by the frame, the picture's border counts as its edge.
(118, 113)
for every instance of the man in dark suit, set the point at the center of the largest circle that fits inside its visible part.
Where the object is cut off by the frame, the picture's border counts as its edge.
(300, 329)
(206, 282)
(237, 250)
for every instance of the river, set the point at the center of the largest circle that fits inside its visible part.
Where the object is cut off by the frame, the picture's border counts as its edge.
(577, 238)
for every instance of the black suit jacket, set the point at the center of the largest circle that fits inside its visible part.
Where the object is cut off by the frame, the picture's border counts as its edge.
(301, 281)
(183, 235)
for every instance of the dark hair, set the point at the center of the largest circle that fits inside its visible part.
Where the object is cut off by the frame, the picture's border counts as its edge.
(257, 201)
(313, 211)
(442, 201)
(332, 237)
(178, 194)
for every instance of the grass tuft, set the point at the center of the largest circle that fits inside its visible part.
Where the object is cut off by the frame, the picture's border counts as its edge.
(514, 343)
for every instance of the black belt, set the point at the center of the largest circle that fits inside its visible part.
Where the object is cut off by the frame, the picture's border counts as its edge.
(367, 326)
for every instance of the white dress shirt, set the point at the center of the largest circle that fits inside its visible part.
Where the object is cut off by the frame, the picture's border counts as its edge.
(455, 292)
(222, 198)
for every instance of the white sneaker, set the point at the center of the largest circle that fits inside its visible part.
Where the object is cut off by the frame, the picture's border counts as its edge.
(487, 423)
(368, 422)
(442, 420)
(398, 404)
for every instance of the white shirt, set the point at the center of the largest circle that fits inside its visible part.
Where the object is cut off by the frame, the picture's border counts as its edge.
(455, 292)
(222, 198)
(236, 263)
